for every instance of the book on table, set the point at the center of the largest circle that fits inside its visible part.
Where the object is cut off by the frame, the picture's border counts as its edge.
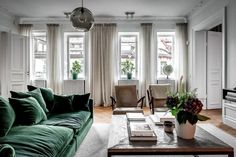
(135, 116)
(141, 131)
(160, 117)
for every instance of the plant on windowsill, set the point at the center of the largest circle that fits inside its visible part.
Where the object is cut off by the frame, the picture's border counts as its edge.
(127, 67)
(185, 106)
(75, 70)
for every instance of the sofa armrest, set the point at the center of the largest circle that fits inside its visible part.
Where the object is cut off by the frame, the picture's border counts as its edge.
(90, 104)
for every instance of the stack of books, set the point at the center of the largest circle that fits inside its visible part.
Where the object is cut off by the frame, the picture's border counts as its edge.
(135, 116)
(160, 117)
(141, 131)
(231, 96)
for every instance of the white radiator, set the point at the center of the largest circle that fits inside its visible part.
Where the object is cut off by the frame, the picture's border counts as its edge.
(73, 87)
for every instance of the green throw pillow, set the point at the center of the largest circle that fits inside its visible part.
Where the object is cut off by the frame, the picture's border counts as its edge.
(34, 93)
(80, 102)
(47, 94)
(7, 117)
(28, 111)
(62, 104)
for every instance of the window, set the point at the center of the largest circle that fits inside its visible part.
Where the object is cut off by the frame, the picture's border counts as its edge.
(39, 55)
(128, 49)
(165, 51)
(75, 51)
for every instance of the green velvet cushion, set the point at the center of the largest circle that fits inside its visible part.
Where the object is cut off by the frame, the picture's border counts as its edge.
(34, 93)
(47, 94)
(7, 150)
(80, 102)
(7, 117)
(62, 104)
(38, 140)
(28, 111)
(73, 120)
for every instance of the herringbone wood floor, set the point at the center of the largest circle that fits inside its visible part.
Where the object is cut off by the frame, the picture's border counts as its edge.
(103, 115)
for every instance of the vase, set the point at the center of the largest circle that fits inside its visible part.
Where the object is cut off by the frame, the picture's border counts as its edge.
(185, 130)
(74, 76)
(129, 75)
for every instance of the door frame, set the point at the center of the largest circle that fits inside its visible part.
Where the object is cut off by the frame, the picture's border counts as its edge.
(214, 20)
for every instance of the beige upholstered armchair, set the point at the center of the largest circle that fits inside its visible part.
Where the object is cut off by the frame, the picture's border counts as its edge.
(126, 100)
(157, 94)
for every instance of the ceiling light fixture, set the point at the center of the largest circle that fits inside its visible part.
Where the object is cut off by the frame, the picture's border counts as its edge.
(82, 19)
(129, 14)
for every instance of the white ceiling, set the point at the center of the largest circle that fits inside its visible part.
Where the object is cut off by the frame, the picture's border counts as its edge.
(103, 8)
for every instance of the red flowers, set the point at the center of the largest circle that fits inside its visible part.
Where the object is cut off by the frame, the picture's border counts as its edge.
(193, 105)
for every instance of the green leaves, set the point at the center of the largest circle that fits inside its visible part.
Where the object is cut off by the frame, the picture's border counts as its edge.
(127, 66)
(183, 116)
(76, 67)
(202, 118)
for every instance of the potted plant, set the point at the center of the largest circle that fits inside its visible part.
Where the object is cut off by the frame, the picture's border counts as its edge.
(186, 108)
(127, 67)
(75, 70)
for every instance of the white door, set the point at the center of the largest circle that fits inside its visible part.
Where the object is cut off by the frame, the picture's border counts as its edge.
(199, 66)
(17, 63)
(214, 69)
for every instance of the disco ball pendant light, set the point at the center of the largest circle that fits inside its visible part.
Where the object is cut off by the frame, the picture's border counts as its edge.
(82, 19)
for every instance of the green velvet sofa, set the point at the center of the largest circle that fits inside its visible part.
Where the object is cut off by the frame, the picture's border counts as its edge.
(58, 136)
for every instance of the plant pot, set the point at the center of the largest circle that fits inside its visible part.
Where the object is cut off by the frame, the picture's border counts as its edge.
(74, 76)
(129, 76)
(185, 131)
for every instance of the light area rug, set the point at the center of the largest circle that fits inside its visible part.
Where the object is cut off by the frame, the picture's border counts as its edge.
(95, 143)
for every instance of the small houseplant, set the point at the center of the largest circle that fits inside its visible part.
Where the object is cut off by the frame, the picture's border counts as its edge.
(127, 67)
(75, 70)
(186, 107)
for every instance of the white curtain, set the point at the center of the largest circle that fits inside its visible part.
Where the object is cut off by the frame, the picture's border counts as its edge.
(147, 70)
(102, 51)
(54, 66)
(181, 50)
(26, 30)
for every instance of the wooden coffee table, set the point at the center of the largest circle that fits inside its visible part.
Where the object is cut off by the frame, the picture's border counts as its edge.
(167, 144)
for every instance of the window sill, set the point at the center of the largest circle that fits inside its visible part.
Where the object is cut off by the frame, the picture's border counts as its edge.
(74, 80)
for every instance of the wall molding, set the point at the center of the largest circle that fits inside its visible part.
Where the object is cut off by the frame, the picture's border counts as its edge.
(118, 19)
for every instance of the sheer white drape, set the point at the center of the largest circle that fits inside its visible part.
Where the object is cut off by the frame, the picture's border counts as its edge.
(54, 66)
(102, 51)
(26, 30)
(147, 70)
(181, 50)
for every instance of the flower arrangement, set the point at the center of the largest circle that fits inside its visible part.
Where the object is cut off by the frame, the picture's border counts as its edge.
(186, 106)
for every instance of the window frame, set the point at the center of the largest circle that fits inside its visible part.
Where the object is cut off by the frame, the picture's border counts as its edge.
(166, 33)
(129, 34)
(41, 33)
(67, 36)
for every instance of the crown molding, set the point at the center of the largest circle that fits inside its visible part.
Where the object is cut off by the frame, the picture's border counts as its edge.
(117, 19)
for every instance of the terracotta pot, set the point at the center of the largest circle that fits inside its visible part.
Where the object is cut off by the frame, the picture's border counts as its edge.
(185, 131)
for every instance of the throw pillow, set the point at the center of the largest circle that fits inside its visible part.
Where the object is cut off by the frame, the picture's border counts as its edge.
(62, 104)
(28, 111)
(34, 93)
(7, 117)
(80, 102)
(47, 94)
(7, 150)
